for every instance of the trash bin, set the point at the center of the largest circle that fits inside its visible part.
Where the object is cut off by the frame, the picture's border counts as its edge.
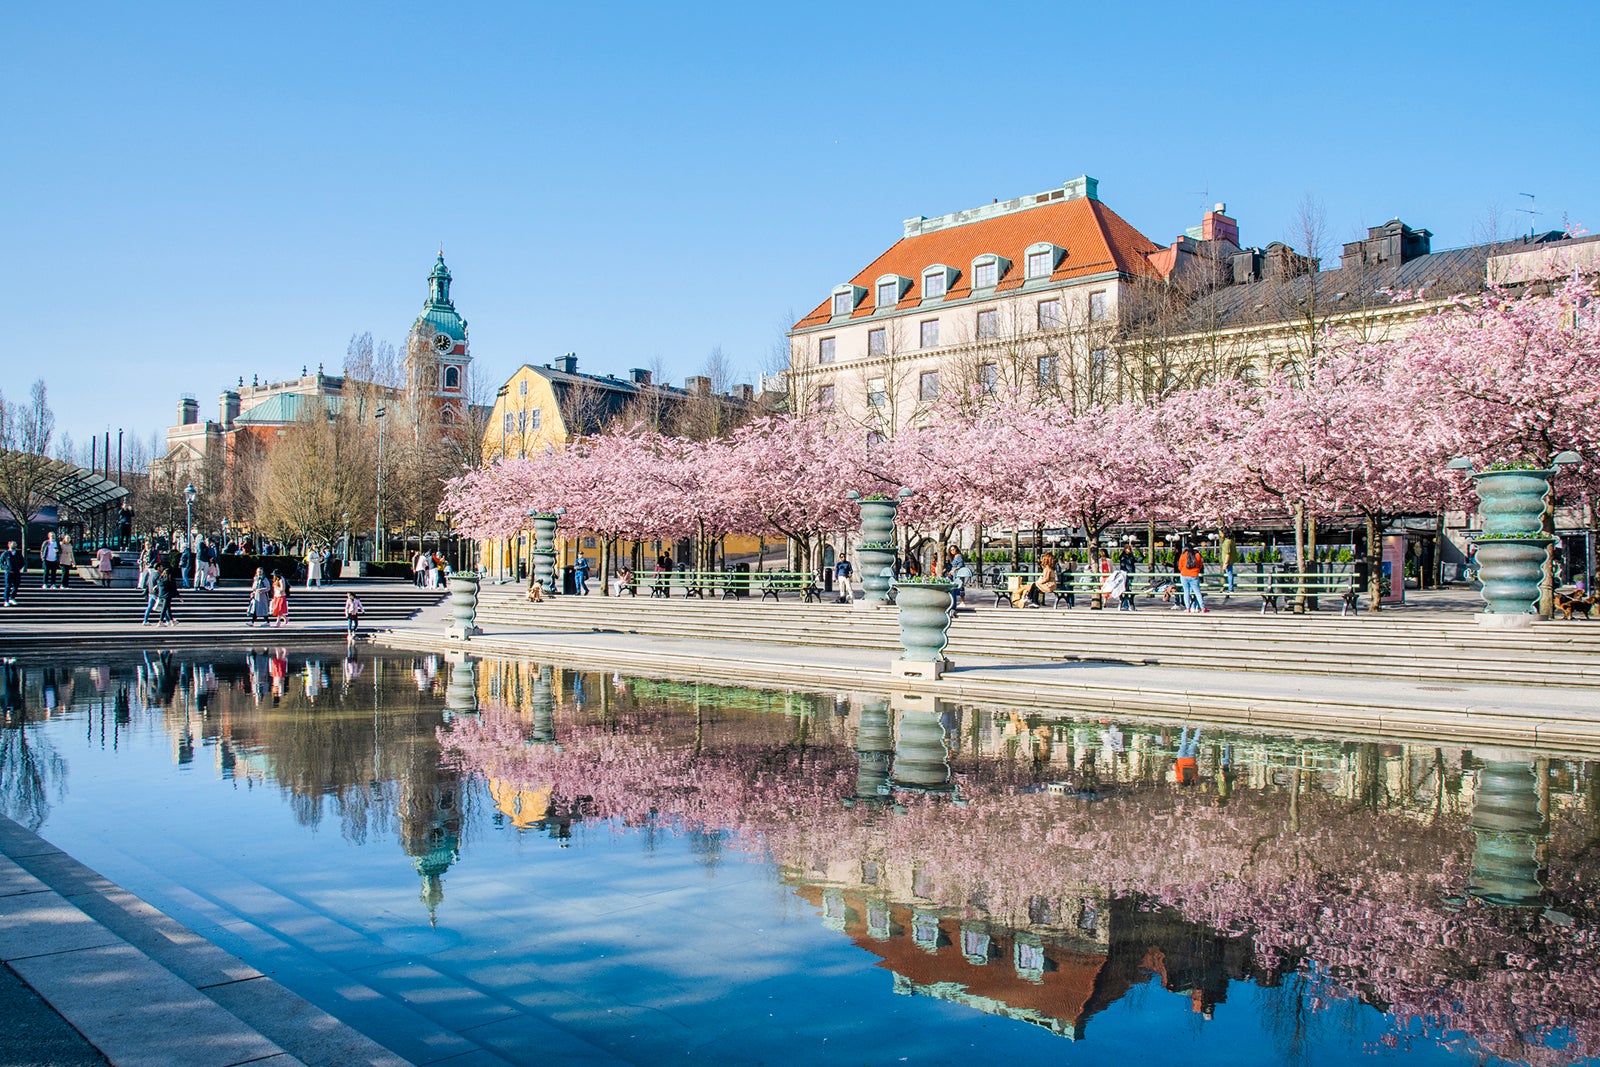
(569, 580)
(741, 583)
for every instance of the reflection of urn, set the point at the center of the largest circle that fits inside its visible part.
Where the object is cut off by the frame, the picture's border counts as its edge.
(874, 743)
(921, 761)
(461, 695)
(544, 710)
(1509, 829)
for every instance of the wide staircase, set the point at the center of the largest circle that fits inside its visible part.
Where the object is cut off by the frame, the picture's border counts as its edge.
(1441, 648)
(79, 604)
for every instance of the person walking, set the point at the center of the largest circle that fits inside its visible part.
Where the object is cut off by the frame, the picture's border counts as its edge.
(580, 574)
(1230, 559)
(1190, 566)
(11, 563)
(69, 563)
(352, 615)
(280, 600)
(259, 606)
(103, 564)
(50, 556)
(166, 591)
(843, 572)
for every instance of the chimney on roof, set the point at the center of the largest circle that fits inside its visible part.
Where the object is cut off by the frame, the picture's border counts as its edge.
(1082, 187)
(188, 410)
(1391, 244)
(639, 376)
(229, 408)
(743, 391)
(568, 363)
(699, 385)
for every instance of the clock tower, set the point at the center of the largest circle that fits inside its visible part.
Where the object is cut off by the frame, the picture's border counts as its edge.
(436, 351)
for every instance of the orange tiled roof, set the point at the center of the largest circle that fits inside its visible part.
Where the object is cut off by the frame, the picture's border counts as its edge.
(1096, 238)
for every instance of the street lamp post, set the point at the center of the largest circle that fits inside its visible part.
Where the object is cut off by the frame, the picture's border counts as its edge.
(188, 536)
(377, 520)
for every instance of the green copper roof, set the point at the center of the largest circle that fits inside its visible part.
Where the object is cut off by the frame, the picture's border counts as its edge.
(439, 313)
(285, 408)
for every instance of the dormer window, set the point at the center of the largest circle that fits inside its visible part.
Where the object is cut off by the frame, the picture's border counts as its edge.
(845, 299)
(890, 288)
(936, 281)
(987, 270)
(1043, 258)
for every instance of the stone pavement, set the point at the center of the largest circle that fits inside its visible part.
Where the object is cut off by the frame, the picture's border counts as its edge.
(130, 983)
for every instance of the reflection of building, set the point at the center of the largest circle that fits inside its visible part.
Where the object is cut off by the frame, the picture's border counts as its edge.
(1054, 974)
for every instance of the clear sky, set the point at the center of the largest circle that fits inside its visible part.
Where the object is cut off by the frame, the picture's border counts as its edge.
(195, 192)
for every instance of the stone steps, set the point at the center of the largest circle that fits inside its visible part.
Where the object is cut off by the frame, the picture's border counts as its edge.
(1413, 649)
(94, 605)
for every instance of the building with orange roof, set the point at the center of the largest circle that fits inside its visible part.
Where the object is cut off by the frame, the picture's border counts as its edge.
(1011, 296)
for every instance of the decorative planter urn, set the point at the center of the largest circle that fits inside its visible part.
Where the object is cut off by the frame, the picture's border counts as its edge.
(461, 695)
(1508, 831)
(1511, 570)
(463, 607)
(1511, 567)
(926, 609)
(544, 548)
(875, 551)
(921, 760)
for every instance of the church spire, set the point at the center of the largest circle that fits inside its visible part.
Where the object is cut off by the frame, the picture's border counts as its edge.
(439, 284)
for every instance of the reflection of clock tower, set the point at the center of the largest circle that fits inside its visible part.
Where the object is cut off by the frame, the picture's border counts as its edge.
(436, 350)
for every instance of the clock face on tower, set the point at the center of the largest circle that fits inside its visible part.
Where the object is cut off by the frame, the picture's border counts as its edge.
(442, 342)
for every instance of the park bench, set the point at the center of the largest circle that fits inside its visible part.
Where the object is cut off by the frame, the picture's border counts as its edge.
(1289, 585)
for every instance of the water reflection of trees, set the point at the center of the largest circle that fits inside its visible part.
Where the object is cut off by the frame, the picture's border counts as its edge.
(1418, 880)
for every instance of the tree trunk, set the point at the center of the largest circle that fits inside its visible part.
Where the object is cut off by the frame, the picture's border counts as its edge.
(1299, 555)
(1374, 565)
(1016, 549)
(1150, 535)
(607, 545)
(1311, 551)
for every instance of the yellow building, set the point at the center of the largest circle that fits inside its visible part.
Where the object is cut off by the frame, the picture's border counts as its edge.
(542, 408)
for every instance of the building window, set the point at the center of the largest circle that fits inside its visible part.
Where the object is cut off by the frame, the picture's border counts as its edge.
(508, 423)
(1097, 306)
(452, 378)
(1049, 314)
(1099, 359)
(875, 439)
(988, 377)
(935, 284)
(533, 418)
(825, 350)
(876, 396)
(522, 422)
(985, 274)
(825, 397)
(1041, 264)
(522, 387)
(888, 294)
(843, 303)
(930, 333)
(877, 342)
(447, 416)
(928, 385)
(988, 323)
(1047, 370)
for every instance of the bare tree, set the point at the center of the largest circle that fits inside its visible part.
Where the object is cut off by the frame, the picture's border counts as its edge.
(26, 470)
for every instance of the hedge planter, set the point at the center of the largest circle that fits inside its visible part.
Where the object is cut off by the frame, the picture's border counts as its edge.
(463, 607)
(926, 609)
(1511, 569)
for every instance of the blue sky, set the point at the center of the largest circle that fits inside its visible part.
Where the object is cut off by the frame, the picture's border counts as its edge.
(191, 193)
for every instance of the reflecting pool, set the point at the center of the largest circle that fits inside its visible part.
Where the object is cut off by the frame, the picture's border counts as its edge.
(523, 862)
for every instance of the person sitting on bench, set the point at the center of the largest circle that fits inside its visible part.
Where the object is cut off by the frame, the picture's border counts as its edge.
(1032, 595)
